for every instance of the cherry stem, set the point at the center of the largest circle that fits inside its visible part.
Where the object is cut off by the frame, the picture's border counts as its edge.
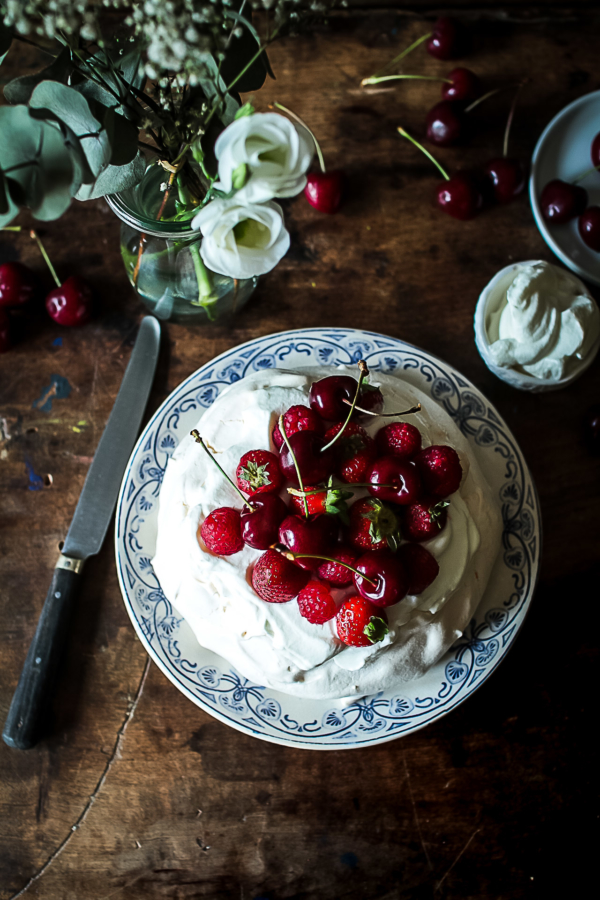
(404, 412)
(405, 52)
(491, 94)
(585, 174)
(376, 79)
(33, 234)
(364, 371)
(511, 116)
(346, 484)
(304, 125)
(295, 461)
(292, 556)
(195, 434)
(423, 150)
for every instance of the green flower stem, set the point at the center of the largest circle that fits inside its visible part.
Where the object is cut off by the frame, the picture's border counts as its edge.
(206, 297)
(405, 52)
(575, 180)
(11, 228)
(196, 435)
(292, 556)
(369, 412)
(377, 79)
(344, 484)
(423, 150)
(304, 125)
(296, 466)
(364, 371)
(34, 236)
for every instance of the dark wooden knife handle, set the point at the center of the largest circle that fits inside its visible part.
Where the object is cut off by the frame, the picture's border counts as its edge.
(34, 690)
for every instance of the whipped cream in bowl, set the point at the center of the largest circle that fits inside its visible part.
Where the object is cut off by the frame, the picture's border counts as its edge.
(536, 326)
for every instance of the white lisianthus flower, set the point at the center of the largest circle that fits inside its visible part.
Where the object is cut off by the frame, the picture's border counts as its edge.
(270, 153)
(241, 240)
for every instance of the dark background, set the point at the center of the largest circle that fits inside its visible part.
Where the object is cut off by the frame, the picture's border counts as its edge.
(496, 800)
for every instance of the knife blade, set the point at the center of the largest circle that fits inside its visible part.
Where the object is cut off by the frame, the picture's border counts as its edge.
(84, 539)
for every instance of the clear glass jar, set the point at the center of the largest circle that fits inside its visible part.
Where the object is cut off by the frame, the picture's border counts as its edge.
(163, 262)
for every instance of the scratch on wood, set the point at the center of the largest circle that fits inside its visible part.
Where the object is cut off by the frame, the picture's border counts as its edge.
(415, 814)
(94, 795)
(464, 849)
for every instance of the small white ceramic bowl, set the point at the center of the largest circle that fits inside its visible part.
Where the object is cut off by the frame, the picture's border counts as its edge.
(563, 151)
(489, 301)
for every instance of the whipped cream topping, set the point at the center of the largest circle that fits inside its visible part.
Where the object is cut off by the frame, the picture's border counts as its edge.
(271, 643)
(543, 322)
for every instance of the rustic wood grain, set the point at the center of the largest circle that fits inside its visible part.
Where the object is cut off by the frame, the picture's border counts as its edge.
(494, 801)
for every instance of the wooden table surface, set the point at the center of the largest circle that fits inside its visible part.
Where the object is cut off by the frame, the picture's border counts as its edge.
(497, 799)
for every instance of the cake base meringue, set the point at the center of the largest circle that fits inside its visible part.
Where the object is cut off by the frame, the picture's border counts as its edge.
(271, 643)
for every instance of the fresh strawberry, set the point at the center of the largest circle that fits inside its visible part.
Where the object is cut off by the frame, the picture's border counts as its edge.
(356, 451)
(421, 566)
(297, 418)
(258, 472)
(424, 520)
(276, 579)
(373, 525)
(327, 499)
(440, 469)
(221, 531)
(360, 623)
(316, 603)
(335, 573)
(398, 439)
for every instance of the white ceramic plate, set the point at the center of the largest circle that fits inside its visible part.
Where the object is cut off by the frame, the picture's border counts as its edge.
(563, 151)
(207, 679)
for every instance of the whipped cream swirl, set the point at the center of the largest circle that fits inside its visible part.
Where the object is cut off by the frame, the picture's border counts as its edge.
(545, 323)
(271, 643)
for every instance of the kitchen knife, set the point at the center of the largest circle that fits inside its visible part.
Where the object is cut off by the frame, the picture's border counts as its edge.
(84, 538)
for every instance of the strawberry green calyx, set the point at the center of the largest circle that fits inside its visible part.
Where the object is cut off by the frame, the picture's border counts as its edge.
(376, 630)
(383, 524)
(436, 511)
(256, 475)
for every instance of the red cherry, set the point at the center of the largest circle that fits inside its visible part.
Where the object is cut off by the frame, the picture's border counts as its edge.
(421, 566)
(444, 124)
(388, 574)
(595, 151)
(260, 522)
(5, 341)
(315, 464)
(71, 303)
(325, 190)
(17, 284)
(313, 536)
(327, 397)
(465, 86)
(589, 227)
(507, 178)
(561, 201)
(402, 474)
(460, 197)
(446, 39)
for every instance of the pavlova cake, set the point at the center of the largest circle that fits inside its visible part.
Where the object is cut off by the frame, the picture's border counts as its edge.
(328, 536)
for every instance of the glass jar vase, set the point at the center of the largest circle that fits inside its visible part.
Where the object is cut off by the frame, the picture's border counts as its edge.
(163, 262)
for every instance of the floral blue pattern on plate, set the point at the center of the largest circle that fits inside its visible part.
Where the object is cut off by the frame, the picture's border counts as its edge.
(207, 679)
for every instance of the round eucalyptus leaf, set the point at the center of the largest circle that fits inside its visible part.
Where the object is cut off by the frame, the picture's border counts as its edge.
(19, 90)
(36, 163)
(72, 109)
(114, 179)
(123, 137)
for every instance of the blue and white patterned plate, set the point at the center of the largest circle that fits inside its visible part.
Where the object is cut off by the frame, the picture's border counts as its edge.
(210, 681)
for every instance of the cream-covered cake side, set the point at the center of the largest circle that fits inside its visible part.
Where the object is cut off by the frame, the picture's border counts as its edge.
(271, 643)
